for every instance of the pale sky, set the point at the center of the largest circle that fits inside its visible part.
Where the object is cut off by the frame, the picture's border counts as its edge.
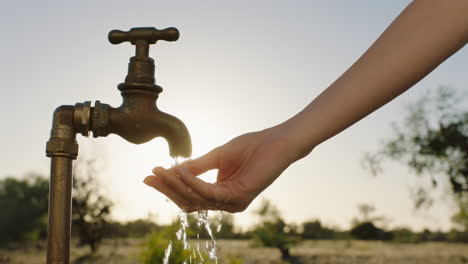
(238, 66)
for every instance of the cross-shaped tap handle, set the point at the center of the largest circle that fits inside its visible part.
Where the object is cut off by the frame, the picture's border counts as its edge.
(148, 34)
(143, 37)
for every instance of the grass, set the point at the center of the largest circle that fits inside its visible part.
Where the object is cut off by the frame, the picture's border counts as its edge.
(123, 251)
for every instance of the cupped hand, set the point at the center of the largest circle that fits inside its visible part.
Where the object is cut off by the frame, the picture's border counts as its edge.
(246, 166)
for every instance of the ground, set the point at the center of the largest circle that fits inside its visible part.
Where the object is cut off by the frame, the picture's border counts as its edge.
(126, 251)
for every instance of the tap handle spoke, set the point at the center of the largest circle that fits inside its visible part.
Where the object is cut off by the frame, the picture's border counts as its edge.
(149, 34)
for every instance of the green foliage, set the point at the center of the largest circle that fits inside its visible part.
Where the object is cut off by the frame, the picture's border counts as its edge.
(233, 259)
(158, 242)
(273, 234)
(432, 140)
(23, 204)
(315, 230)
(460, 219)
(457, 236)
(427, 235)
(90, 209)
(273, 231)
(404, 235)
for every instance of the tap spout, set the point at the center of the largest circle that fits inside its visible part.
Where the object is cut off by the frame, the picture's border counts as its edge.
(176, 134)
(138, 120)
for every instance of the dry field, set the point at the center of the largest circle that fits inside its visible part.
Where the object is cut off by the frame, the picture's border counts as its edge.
(126, 251)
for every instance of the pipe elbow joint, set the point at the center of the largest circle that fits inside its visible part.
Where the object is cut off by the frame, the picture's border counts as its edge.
(62, 135)
(63, 118)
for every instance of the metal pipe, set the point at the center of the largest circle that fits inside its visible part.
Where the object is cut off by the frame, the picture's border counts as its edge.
(58, 239)
(62, 148)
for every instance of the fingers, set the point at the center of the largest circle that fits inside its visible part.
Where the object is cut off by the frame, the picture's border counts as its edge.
(198, 185)
(219, 195)
(207, 162)
(172, 179)
(191, 193)
(158, 184)
(169, 182)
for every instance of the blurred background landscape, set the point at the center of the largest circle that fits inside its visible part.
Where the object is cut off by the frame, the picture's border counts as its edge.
(390, 189)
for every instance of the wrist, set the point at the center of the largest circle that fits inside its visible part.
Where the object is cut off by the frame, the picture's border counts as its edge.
(290, 140)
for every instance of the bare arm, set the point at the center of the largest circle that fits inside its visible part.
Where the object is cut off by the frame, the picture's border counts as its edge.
(425, 34)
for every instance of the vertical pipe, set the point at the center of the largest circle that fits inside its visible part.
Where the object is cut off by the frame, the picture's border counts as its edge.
(58, 239)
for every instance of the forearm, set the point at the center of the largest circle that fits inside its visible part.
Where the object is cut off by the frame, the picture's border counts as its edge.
(425, 34)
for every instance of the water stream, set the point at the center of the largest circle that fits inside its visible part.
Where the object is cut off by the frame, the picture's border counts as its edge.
(197, 254)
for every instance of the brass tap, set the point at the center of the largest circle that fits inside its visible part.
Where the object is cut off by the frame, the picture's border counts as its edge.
(138, 120)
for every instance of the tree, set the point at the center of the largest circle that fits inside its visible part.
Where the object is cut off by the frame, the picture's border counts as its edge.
(315, 230)
(273, 231)
(368, 231)
(23, 208)
(365, 210)
(90, 208)
(366, 215)
(432, 140)
(364, 225)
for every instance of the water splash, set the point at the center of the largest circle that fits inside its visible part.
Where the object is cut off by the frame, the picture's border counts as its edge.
(182, 232)
(167, 253)
(179, 160)
(195, 254)
(218, 223)
(210, 247)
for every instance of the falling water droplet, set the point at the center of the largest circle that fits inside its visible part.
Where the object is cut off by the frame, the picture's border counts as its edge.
(218, 223)
(167, 253)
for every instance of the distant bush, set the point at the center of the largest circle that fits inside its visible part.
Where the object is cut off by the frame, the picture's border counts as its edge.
(137, 228)
(457, 236)
(315, 230)
(23, 204)
(273, 231)
(404, 235)
(367, 231)
(427, 235)
(157, 243)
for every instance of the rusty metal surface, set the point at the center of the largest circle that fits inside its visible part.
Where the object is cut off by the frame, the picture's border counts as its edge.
(62, 148)
(58, 238)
